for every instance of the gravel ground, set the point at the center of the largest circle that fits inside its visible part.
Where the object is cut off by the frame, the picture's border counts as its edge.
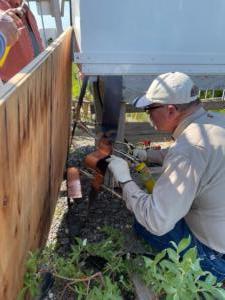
(78, 221)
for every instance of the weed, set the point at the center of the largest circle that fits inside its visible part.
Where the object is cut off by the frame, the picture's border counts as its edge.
(180, 277)
(102, 271)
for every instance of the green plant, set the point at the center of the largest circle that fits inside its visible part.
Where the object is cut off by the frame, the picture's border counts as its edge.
(207, 94)
(170, 274)
(74, 273)
(110, 291)
(76, 84)
(32, 276)
(85, 112)
(137, 117)
(111, 249)
(180, 277)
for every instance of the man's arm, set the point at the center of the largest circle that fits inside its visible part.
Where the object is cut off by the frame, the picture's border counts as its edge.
(156, 156)
(150, 155)
(172, 195)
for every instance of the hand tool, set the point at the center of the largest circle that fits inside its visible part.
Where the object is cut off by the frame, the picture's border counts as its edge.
(96, 161)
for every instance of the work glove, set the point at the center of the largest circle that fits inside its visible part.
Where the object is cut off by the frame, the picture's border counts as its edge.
(140, 154)
(119, 168)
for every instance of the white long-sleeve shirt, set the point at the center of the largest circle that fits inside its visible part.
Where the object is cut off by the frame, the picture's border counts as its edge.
(192, 184)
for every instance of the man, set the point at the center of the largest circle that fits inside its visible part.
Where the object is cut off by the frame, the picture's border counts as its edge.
(29, 44)
(188, 198)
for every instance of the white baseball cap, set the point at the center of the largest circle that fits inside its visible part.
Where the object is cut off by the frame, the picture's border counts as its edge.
(169, 88)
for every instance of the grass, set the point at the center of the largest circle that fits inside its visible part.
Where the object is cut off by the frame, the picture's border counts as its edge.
(222, 111)
(76, 85)
(137, 117)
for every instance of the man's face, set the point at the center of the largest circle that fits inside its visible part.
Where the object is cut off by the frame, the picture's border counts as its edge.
(164, 117)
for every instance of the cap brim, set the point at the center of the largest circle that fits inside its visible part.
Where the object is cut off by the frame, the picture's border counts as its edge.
(141, 102)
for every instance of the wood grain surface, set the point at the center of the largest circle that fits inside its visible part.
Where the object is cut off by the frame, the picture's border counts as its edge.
(34, 131)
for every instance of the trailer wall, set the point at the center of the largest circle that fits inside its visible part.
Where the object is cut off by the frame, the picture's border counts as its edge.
(149, 36)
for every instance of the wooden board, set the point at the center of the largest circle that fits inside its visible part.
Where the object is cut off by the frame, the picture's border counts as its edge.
(34, 122)
(208, 104)
(140, 131)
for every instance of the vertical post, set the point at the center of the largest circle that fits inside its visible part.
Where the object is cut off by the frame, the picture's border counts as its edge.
(108, 96)
(57, 14)
(112, 98)
(122, 121)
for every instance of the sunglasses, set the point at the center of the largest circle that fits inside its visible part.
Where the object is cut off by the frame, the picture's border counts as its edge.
(150, 108)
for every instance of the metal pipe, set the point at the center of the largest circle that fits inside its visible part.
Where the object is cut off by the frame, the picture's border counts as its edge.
(90, 176)
(130, 157)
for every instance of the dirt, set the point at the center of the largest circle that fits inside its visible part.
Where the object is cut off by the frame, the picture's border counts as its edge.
(79, 221)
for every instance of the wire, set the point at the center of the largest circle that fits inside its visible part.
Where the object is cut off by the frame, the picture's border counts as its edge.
(90, 176)
(79, 104)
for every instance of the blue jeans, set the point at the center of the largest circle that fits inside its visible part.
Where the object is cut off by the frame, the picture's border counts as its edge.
(211, 260)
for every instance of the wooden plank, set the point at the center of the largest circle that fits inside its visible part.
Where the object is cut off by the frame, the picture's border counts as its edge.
(213, 104)
(34, 120)
(208, 104)
(139, 131)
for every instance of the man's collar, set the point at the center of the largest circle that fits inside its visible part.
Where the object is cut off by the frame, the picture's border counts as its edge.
(187, 121)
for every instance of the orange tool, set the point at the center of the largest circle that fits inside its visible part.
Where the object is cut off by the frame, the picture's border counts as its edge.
(97, 162)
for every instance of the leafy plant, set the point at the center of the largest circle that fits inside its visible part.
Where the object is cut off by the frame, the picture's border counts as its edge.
(180, 276)
(110, 291)
(102, 271)
(32, 276)
(76, 84)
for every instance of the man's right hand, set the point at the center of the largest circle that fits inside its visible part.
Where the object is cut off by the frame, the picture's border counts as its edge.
(9, 27)
(120, 169)
(140, 154)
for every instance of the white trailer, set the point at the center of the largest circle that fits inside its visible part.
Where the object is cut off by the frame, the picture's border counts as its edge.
(145, 37)
(137, 40)
(150, 36)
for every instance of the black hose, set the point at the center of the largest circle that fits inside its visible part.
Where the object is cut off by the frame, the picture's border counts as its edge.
(79, 104)
(98, 92)
(71, 17)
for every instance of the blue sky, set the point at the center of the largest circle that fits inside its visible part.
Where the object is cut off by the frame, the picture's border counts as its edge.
(49, 22)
